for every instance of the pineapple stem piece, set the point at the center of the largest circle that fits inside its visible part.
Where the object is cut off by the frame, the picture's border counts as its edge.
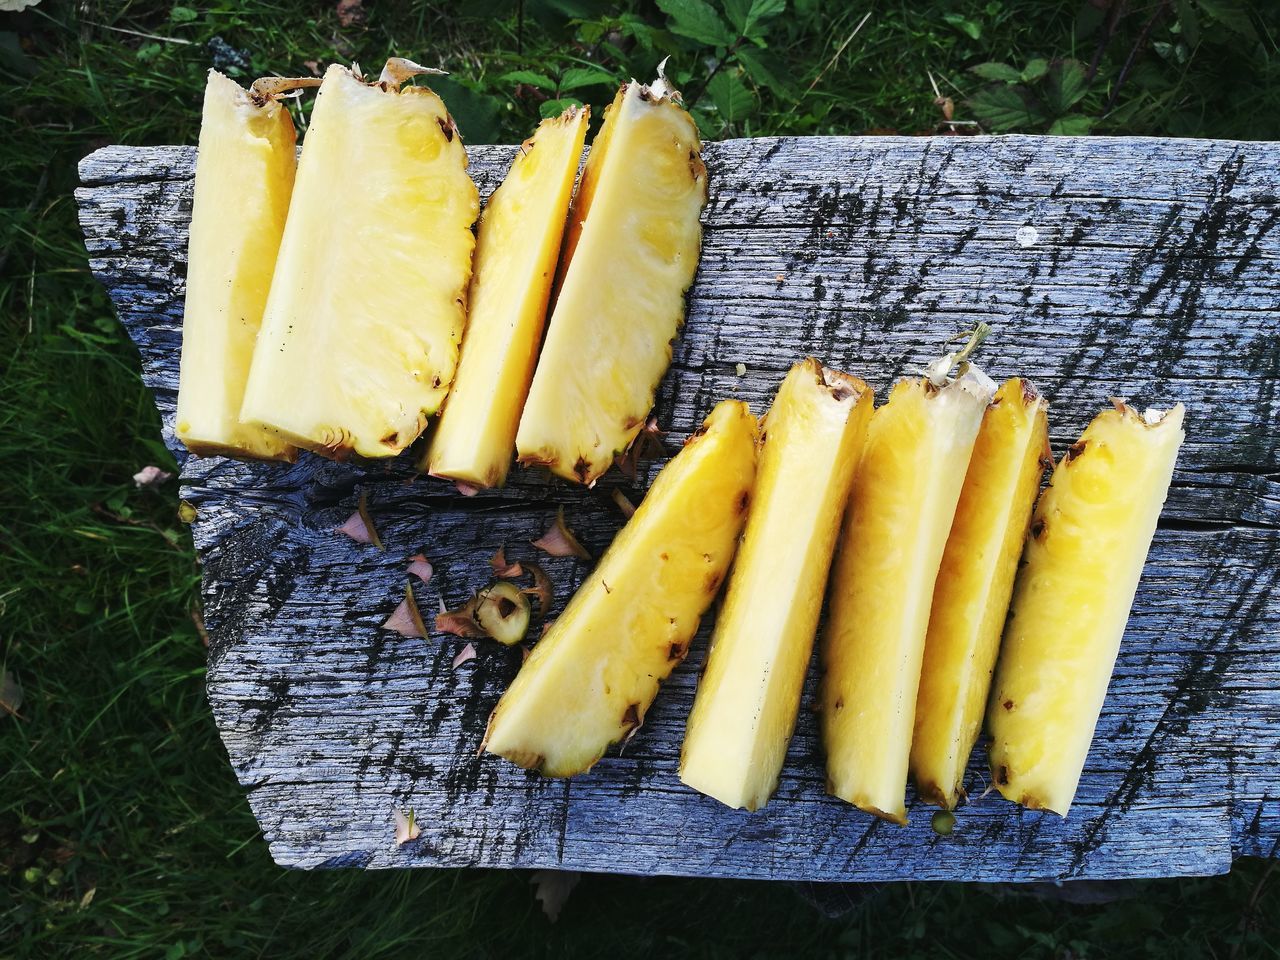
(938, 372)
(503, 611)
(265, 89)
(1079, 575)
(594, 674)
(900, 512)
(749, 696)
(975, 581)
(397, 70)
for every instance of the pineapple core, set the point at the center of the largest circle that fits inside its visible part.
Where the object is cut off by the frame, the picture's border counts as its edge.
(1088, 544)
(749, 697)
(899, 513)
(974, 583)
(590, 680)
(244, 176)
(631, 250)
(516, 250)
(360, 337)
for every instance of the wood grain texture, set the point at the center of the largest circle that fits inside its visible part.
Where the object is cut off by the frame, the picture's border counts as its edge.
(1138, 268)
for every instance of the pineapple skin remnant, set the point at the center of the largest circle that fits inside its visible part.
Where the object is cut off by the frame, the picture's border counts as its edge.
(631, 251)
(899, 514)
(590, 680)
(975, 581)
(515, 261)
(359, 342)
(244, 176)
(749, 697)
(1089, 540)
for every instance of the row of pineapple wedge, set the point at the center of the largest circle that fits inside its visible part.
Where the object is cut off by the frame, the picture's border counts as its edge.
(327, 312)
(926, 504)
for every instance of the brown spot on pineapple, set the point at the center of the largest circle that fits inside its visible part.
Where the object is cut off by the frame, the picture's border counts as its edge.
(839, 704)
(744, 501)
(631, 716)
(582, 469)
(677, 651)
(505, 607)
(1002, 775)
(435, 383)
(1076, 449)
(1029, 392)
(1008, 704)
(446, 125)
(1037, 528)
(713, 582)
(664, 556)
(391, 438)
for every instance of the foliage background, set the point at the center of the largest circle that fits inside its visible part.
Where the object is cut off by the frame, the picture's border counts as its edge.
(122, 831)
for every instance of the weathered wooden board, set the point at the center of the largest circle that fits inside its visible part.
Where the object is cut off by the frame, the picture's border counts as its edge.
(1138, 268)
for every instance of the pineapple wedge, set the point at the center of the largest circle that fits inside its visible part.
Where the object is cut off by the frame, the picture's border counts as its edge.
(631, 252)
(748, 698)
(974, 583)
(1089, 541)
(896, 525)
(245, 164)
(590, 680)
(360, 337)
(516, 251)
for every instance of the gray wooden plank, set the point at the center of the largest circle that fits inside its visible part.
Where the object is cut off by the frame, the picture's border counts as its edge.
(1151, 275)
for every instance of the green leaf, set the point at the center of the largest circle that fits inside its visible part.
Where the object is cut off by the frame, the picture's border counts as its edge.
(997, 71)
(696, 20)
(737, 12)
(1006, 108)
(528, 76)
(1072, 125)
(553, 108)
(1231, 14)
(730, 95)
(1035, 69)
(580, 77)
(970, 28)
(1188, 22)
(1066, 86)
(762, 10)
(766, 70)
(183, 15)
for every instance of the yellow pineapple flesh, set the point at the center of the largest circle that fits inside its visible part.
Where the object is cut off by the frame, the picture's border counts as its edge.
(515, 261)
(244, 176)
(631, 252)
(896, 525)
(590, 680)
(1084, 558)
(360, 337)
(975, 581)
(749, 696)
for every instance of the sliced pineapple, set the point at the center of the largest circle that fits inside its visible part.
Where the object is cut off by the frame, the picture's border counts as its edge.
(1088, 544)
(974, 583)
(516, 251)
(590, 680)
(896, 525)
(631, 252)
(748, 698)
(360, 337)
(244, 176)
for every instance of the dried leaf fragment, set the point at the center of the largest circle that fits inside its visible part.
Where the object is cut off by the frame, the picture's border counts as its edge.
(150, 477)
(460, 622)
(501, 568)
(11, 694)
(552, 889)
(647, 444)
(466, 489)
(406, 827)
(559, 540)
(541, 588)
(406, 619)
(420, 567)
(466, 653)
(359, 526)
(626, 506)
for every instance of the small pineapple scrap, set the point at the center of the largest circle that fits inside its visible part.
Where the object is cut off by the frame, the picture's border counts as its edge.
(975, 581)
(516, 250)
(749, 697)
(1089, 540)
(631, 250)
(899, 514)
(360, 337)
(244, 177)
(592, 677)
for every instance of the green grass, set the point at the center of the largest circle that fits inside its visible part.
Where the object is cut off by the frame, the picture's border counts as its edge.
(122, 830)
